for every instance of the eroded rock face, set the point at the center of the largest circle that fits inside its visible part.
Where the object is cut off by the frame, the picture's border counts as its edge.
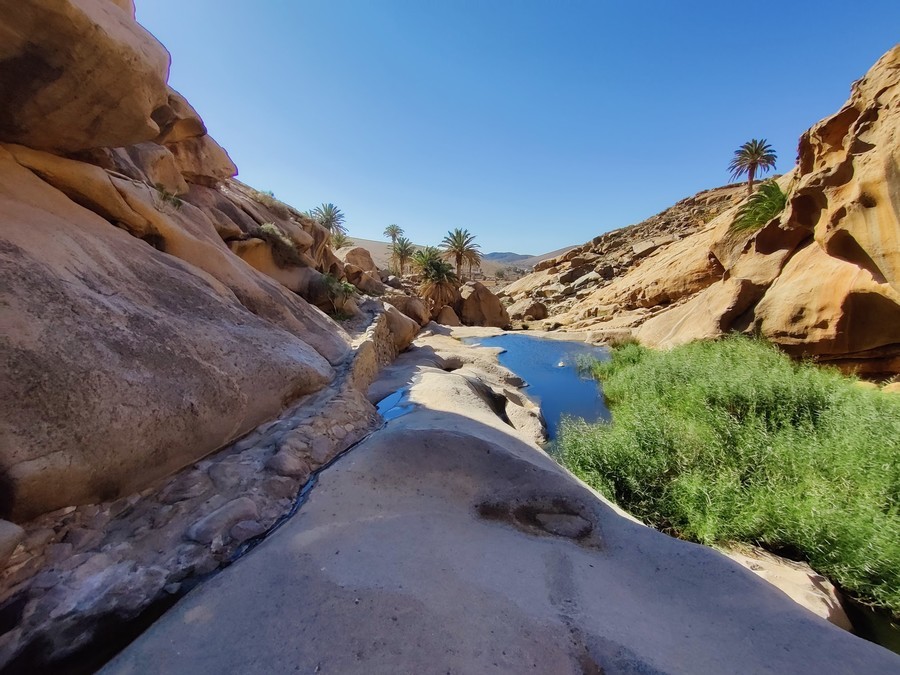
(126, 363)
(78, 74)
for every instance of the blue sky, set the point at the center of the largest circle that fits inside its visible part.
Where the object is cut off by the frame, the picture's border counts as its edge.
(535, 125)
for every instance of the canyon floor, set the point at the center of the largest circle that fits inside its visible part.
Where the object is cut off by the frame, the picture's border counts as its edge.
(448, 541)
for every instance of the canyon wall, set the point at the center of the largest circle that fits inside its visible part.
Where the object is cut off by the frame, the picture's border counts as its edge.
(821, 280)
(154, 308)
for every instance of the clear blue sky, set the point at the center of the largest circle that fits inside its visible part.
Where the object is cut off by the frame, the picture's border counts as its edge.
(535, 125)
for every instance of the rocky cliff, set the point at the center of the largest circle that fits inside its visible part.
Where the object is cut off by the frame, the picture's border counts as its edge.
(154, 308)
(821, 279)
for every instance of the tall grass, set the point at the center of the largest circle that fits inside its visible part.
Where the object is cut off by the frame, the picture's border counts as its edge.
(732, 441)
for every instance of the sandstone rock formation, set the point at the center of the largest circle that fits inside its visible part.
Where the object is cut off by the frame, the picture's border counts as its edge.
(75, 572)
(447, 317)
(358, 256)
(131, 316)
(841, 224)
(78, 74)
(479, 307)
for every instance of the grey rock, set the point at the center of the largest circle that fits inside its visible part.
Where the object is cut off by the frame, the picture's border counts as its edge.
(321, 449)
(82, 538)
(287, 463)
(10, 536)
(246, 529)
(204, 530)
(226, 475)
(280, 487)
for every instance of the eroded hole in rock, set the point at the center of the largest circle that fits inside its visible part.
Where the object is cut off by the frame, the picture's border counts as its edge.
(868, 201)
(554, 517)
(806, 209)
(842, 245)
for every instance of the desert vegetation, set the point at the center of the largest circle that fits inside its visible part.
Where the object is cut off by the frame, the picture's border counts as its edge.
(339, 292)
(731, 441)
(401, 251)
(167, 198)
(760, 207)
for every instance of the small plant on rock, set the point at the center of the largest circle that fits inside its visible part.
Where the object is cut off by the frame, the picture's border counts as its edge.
(284, 253)
(760, 207)
(339, 292)
(168, 198)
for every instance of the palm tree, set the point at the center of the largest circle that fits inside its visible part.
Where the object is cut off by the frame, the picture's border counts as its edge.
(754, 155)
(439, 283)
(401, 251)
(459, 246)
(392, 232)
(424, 257)
(340, 240)
(330, 217)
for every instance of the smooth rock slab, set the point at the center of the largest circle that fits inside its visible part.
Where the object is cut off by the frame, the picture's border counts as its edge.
(392, 567)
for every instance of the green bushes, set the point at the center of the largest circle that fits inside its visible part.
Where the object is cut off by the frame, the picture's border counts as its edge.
(732, 441)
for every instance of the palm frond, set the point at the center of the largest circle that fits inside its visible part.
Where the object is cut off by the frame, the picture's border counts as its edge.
(760, 207)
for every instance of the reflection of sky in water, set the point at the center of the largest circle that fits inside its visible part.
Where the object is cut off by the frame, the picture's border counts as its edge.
(550, 367)
(390, 406)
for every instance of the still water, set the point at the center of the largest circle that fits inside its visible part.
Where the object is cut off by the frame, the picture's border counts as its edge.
(550, 367)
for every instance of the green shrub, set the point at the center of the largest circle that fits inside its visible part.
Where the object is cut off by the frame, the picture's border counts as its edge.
(760, 207)
(339, 292)
(732, 441)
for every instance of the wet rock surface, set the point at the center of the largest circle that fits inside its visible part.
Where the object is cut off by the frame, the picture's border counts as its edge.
(76, 577)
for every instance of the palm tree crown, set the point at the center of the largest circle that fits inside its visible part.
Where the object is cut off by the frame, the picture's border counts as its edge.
(439, 283)
(392, 232)
(754, 155)
(330, 217)
(459, 245)
(401, 251)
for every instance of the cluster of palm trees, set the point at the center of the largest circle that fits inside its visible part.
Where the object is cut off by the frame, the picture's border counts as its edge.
(439, 283)
(459, 246)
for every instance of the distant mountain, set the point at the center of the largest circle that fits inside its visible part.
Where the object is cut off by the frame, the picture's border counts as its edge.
(506, 257)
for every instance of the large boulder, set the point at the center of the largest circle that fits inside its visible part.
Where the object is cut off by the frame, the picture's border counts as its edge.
(126, 363)
(526, 307)
(479, 307)
(358, 256)
(201, 160)
(447, 317)
(412, 306)
(78, 74)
